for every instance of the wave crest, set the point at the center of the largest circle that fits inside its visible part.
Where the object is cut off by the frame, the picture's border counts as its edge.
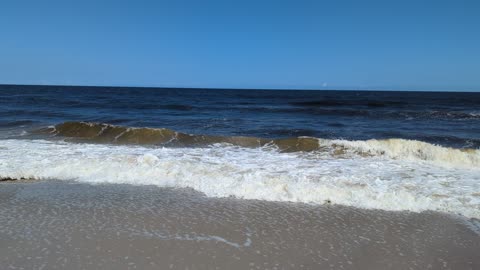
(392, 148)
(411, 150)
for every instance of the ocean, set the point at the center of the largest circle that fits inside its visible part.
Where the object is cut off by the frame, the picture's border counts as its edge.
(385, 158)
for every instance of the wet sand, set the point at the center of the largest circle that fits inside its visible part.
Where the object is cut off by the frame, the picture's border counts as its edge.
(68, 225)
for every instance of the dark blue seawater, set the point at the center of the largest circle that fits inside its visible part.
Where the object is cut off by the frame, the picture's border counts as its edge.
(449, 119)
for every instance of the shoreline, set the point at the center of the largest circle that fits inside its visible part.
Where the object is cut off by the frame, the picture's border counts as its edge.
(201, 194)
(69, 224)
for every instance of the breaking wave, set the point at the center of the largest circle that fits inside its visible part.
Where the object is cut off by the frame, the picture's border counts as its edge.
(401, 149)
(390, 174)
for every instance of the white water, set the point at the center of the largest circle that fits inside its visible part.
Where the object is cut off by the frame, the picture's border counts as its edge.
(413, 151)
(398, 178)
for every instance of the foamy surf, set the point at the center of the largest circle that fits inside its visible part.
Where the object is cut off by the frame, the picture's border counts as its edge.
(395, 180)
(412, 150)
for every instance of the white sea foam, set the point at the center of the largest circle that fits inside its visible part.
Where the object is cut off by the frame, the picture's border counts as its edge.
(413, 151)
(398, 179)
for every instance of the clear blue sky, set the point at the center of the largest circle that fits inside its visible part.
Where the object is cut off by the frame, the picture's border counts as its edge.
(402, 45)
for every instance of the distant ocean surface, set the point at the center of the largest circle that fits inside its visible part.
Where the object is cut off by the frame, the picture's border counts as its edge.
(386, 150)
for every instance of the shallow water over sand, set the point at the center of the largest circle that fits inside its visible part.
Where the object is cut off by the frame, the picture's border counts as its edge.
(68, 225)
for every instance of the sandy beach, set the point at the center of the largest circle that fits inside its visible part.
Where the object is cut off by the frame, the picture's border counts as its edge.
(68, 225)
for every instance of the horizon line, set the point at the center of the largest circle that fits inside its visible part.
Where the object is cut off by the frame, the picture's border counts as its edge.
(248, 89)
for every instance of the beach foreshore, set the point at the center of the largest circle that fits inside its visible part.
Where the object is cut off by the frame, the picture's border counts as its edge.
(70, 225)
